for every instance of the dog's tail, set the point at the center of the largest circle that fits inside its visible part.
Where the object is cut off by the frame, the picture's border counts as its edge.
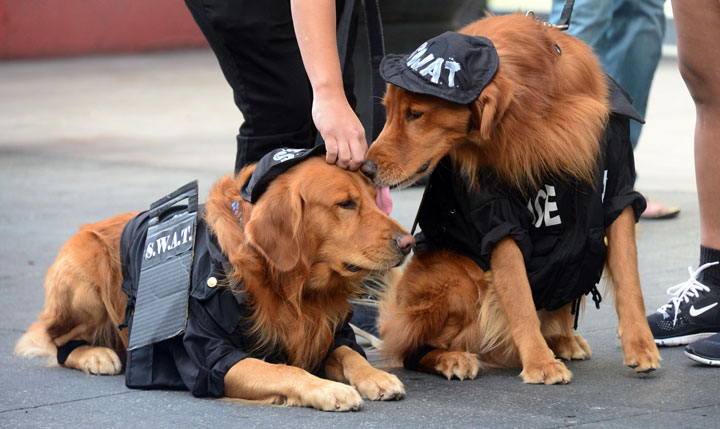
(36, 342)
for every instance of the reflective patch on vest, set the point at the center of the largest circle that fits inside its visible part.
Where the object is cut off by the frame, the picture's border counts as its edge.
(164, 284)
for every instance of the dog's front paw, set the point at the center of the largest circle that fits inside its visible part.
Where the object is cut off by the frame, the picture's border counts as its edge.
(639, 350)
(553, 372)
(331, 396)
(570, 347)
(380, 386)
(461, 365)
(94, 360)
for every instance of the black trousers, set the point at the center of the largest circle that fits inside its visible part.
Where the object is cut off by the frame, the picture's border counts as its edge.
(254, 42)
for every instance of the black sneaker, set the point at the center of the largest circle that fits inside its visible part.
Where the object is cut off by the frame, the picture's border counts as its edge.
(692, 314)
(705, 351)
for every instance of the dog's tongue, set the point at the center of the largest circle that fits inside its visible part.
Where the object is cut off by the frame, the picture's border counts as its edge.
(383, 200)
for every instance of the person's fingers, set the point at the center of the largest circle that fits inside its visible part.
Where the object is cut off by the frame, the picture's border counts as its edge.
(344, 154)
(357, 152)
(331, 151)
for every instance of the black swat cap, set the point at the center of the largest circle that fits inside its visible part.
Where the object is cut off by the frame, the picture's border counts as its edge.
(453, 66)
(271, 166)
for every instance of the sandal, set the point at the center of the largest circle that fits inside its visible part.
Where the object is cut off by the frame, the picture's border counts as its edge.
(657, 210)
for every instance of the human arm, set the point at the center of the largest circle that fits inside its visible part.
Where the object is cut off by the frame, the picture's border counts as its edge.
(337, 123)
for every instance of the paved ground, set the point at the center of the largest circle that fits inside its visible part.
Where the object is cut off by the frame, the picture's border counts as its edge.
(83, 139)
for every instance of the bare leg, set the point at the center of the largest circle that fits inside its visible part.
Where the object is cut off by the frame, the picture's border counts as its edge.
(698, 28)
(557, 329)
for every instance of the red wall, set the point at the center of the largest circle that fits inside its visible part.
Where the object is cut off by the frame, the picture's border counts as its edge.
(55, 28)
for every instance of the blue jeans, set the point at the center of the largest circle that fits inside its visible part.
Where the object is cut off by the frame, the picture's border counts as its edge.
(627, 37)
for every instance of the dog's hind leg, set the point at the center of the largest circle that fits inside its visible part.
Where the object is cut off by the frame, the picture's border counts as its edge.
(36, 342)
(42, 340)
(639, 349)
(83, 301)
(90, 359)
(459, 364)
(434, 302)
(95, 360)
(557, 328)
(407, 330)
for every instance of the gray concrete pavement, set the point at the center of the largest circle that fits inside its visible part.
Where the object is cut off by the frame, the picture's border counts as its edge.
(83, 139)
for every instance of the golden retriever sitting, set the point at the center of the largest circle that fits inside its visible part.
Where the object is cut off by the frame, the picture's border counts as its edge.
(532, 171)
(294, 258)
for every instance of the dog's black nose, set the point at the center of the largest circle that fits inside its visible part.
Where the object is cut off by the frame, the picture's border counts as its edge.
(369, 169)
(405, 243)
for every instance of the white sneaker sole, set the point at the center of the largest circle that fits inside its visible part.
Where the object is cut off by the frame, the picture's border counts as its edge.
(371, 339)
(684, 340)
(702, 360)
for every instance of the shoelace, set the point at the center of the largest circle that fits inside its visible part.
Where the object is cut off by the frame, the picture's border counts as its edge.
(683, 291)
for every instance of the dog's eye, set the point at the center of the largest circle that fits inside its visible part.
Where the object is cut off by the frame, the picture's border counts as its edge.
(412, 115)
(348, 204)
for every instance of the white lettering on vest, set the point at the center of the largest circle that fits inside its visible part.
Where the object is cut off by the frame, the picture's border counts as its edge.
(604, 186)
(543, 213)
(168, 242)
(162, 244)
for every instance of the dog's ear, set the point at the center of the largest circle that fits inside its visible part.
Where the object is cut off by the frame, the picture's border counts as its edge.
(490, 106)
(274, 227)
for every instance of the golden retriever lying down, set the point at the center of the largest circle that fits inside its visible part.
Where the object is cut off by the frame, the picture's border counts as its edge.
(305, 247)
(532, 171)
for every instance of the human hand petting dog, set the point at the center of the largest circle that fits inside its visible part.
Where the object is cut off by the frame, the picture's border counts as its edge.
(341, 129)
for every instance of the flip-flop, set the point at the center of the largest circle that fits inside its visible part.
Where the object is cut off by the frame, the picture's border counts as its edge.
(657, 210)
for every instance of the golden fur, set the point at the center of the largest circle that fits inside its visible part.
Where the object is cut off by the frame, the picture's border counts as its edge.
(542, 116)
(525, 125)
(292, 257)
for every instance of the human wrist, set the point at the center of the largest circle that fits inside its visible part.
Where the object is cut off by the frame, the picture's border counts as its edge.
(328, 90)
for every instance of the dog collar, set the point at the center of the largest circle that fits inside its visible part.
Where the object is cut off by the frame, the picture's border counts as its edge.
(453, 66)
(235, 206)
